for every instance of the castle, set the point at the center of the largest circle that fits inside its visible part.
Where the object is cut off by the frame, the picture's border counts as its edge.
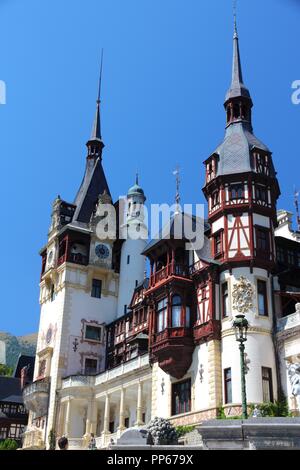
(117, 348)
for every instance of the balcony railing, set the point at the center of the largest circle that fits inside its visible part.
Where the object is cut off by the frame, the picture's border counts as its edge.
(37, 387)
(77, 258)
(90, 381)
(290, 321)
(172, 269)
(178, 332)
(36, 396)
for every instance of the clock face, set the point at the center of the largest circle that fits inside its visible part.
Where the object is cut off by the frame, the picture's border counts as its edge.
(102, 251)
(50, 256)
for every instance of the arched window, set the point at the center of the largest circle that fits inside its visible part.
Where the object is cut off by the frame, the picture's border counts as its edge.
(176, 311)
(228, 113)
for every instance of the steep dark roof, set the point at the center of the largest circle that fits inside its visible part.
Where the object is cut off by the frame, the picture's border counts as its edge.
(94, 183)
(24, 361)
(10, 387)
(169, 231)
(235, 150)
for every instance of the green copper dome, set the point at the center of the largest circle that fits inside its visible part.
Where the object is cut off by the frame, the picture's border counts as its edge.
(136, 189)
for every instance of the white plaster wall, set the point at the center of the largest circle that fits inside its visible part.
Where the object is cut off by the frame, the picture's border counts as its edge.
(260, 352)
(201, 389)
(129, 273)
(163, 399)
(217, 225)
(261, 220)
(252, 315)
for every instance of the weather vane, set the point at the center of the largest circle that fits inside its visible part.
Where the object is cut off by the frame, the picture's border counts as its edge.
(100, 77)
(177, 197)
(296, 202)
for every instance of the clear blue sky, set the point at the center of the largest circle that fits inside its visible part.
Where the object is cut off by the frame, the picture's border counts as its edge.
(167, 66)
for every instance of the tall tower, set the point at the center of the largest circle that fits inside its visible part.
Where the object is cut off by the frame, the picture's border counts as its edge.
(133, 263)
(78, 295)
(242, 189)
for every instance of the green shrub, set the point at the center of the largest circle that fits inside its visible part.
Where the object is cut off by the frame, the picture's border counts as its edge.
(52, 439)
(278, 409)
(9, 444)
(183, 430)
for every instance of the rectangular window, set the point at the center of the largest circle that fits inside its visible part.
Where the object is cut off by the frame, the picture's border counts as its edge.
(225, 300)
(90, 366)
(181, 397)
(291, 257)
(126, 422)
(261, 194)
(280, 254)
(267, 384)
(218, 243)
(52, 293)
(228, 386)
(96, 288)
(215, 198)
(93, 333)
(128, 259)
(262, 240)
(162, 309)
(112, 427)
(262, 298)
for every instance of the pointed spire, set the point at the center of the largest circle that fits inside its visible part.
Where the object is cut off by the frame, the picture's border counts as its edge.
(237, 88)
(96, 130)
(137, 178)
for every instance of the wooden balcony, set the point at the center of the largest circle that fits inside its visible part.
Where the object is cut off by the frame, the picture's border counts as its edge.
(205, 331)
(173, 349)
(172, 269)
(76, 258)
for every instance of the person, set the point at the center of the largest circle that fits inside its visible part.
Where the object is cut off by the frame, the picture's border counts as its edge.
(92, 443)
(63, 443)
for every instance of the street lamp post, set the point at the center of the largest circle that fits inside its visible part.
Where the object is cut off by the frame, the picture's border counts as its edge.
(240, 325)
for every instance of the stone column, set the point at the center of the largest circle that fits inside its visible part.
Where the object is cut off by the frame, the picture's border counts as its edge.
(139, 408)
(122, 411)
(61, 419)
(88, 417)
(106, 415)
(68, 418)
(93, 418)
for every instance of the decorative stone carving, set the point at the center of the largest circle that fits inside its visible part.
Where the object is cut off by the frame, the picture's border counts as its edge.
(242, 294)
(294, 376)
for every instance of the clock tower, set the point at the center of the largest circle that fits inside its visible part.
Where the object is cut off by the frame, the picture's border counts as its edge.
(80, 284)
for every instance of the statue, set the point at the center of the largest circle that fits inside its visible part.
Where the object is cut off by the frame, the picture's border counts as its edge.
(294, 376)
(256, 412)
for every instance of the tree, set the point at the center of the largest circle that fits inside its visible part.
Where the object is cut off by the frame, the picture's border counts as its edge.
(5, 370)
